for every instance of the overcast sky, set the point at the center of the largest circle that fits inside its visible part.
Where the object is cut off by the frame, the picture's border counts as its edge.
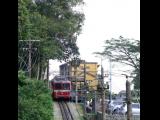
(106, 19)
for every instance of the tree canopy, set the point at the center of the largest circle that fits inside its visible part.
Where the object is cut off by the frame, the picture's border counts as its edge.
(125, 51)
(55, 23)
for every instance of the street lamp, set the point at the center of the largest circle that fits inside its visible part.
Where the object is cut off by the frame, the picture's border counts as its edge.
(75, 63)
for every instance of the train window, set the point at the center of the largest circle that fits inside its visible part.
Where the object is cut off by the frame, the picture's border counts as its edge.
(57, 86)
(66, 86)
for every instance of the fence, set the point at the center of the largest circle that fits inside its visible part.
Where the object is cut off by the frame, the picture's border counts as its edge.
(90, 116)
(116, 117)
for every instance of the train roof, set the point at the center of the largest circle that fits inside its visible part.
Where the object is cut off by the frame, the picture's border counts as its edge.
(60, 78)
(65, 81)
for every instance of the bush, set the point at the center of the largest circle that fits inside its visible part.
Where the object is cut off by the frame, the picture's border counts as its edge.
(34, 100)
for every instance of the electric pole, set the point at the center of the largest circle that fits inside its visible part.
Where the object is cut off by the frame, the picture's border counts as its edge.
(29, 54)
(94, 102)
(103, 93)
(48, 72)
(75, 63)
(30, 60)
(75, 68)
(128, 96)
(110, 81)
(85, 86)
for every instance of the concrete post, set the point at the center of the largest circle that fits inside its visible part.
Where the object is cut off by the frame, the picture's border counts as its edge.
(128, 96)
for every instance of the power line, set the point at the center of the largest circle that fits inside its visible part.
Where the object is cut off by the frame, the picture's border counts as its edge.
(28, 54)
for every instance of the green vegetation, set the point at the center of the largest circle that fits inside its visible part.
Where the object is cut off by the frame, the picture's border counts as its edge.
(125, 51)
(34, 100)
(135, 95)
(80, 110)
(107, 94)
(55, 23)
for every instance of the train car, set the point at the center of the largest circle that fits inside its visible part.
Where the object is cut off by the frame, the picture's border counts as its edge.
(61, 88)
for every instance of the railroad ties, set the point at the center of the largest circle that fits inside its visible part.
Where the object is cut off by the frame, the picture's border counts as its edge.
(65, 111)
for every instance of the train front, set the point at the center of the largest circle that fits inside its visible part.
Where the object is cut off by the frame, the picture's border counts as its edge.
(61, 90)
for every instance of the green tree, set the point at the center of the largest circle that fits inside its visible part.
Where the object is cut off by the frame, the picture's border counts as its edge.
(125, 51)
(23, 20)
(55, 23)
(135, 95)
(34, 100)
(66, 24)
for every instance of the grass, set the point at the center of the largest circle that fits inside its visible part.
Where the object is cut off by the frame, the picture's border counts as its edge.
(80, 110)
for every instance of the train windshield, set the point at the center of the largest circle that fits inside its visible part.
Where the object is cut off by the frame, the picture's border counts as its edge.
(66, 86)
(57, 86)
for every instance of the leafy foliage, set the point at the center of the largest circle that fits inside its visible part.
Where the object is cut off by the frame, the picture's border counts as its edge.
(136, 79)
(135, 95)
(55, 23)
(34, 100)
(23, 20)
(125, 51)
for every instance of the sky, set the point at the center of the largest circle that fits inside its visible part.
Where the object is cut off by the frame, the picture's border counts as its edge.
(106, 19)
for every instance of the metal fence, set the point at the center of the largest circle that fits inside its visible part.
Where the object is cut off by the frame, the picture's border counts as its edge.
(116, 117)
(121, 117)
(90, 116)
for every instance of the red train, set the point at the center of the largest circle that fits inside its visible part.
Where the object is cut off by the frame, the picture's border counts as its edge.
(61, 87)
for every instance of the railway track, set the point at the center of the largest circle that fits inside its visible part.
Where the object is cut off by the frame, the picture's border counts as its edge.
(65, 111)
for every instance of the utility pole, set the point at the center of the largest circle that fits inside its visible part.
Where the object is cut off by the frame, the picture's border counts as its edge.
(30, 59)
(75, 68)
(128, 96)
(85, 86)
(85, 73)
(110, 80)
(75, 63)
(103, 105)
(29, 54)
(48, 72)
(38, 72)
(103, 93)
(94, 102)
